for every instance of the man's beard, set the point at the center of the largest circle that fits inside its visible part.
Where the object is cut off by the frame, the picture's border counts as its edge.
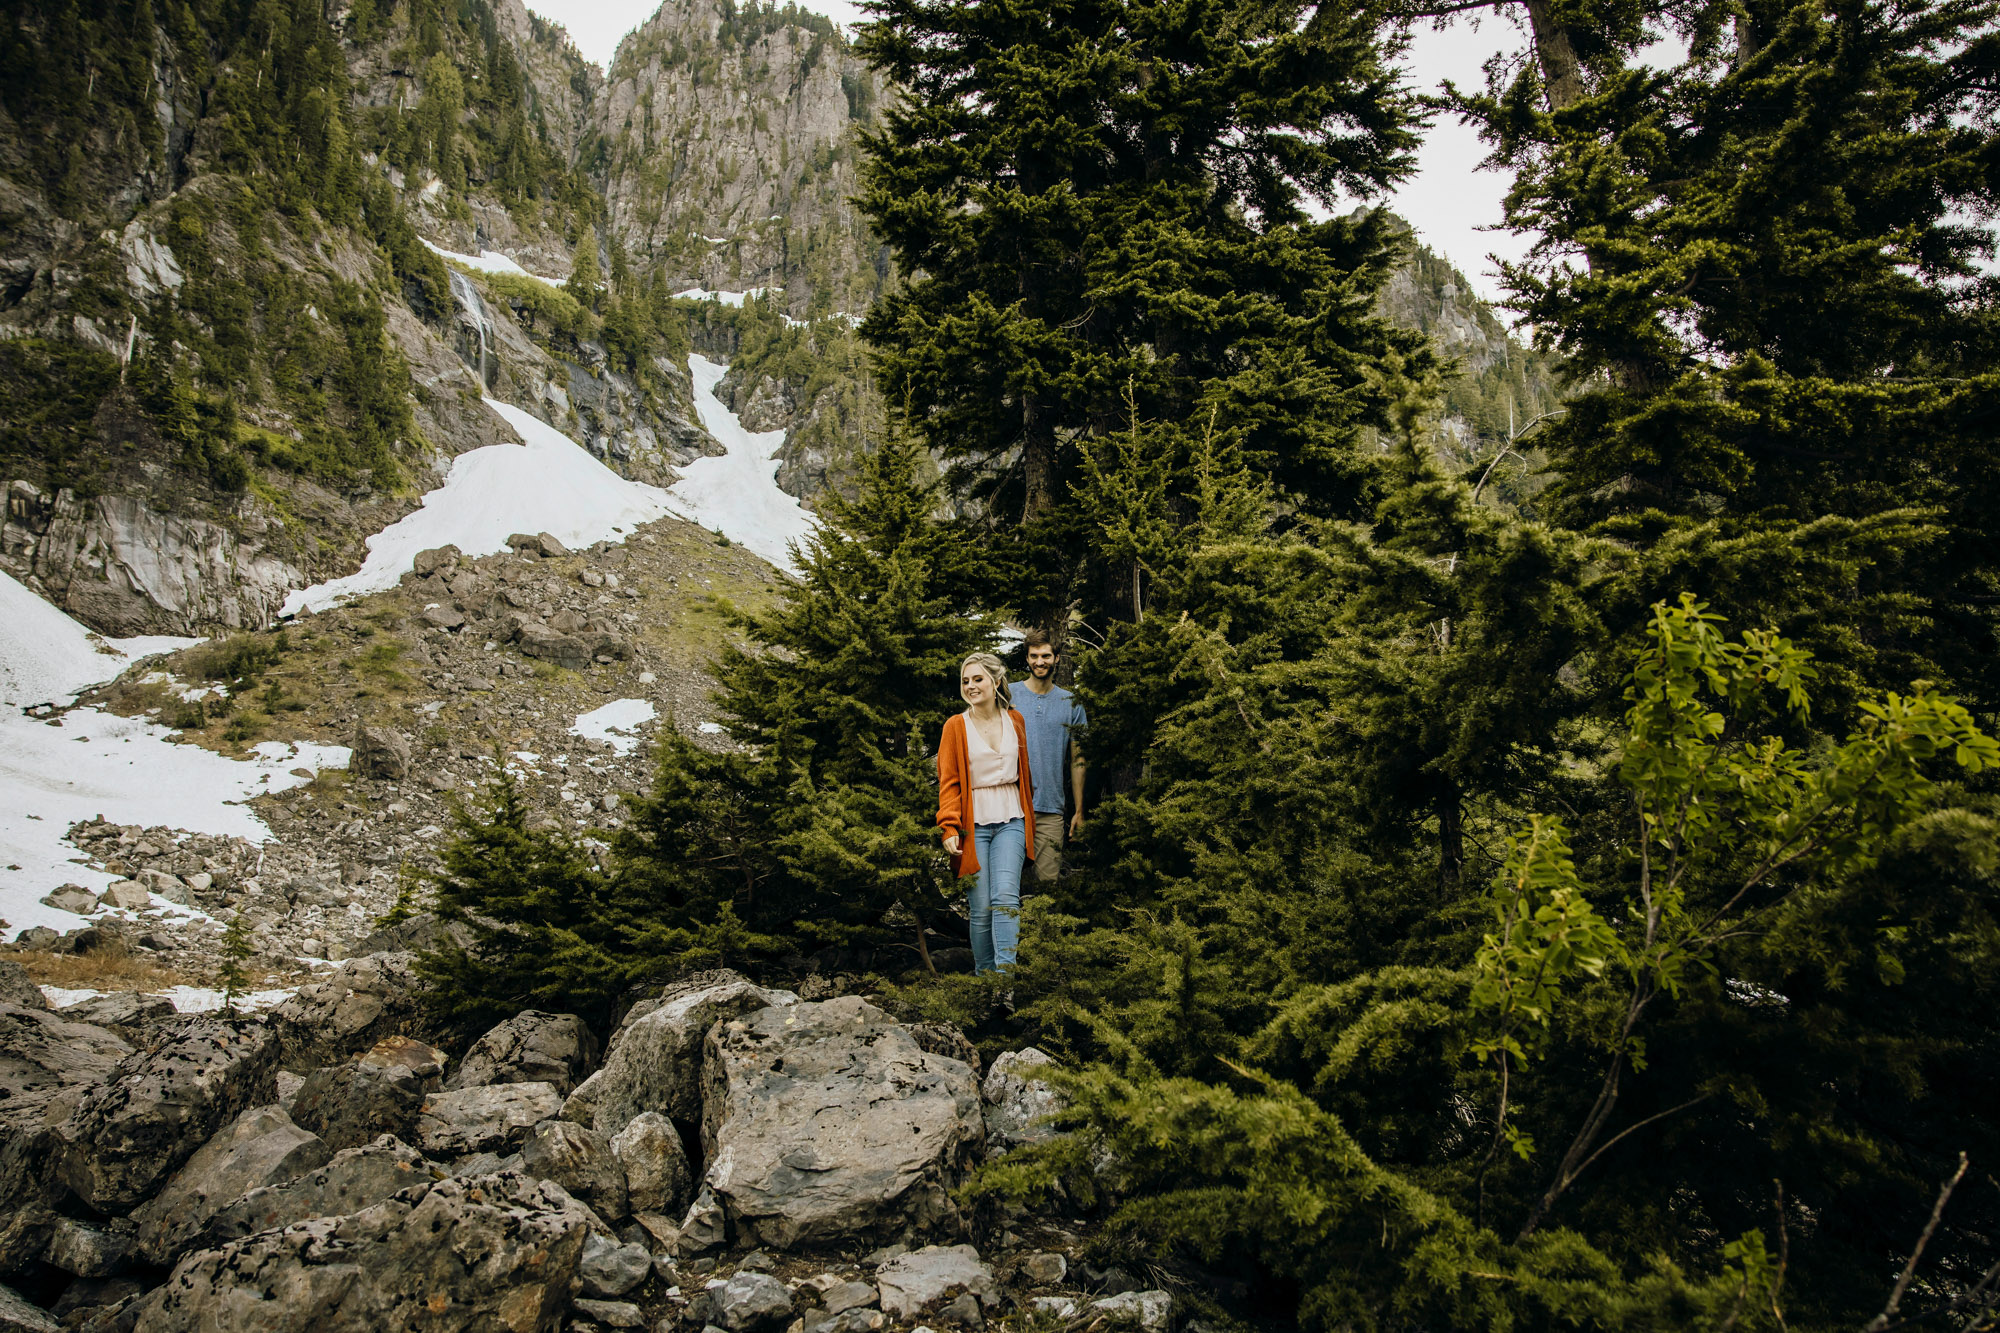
(1042, 670)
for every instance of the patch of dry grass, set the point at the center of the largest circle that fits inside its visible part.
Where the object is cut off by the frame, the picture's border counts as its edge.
(111, 968)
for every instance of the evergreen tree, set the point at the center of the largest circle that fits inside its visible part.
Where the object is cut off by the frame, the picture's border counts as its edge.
(1106, 200)
(584, 281)
(236, 952)
(1646, 1046)
(823, 828)
(544, 934)
(1783, 345)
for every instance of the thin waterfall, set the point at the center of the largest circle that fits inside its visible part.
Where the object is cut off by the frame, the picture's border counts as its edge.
(474, 310)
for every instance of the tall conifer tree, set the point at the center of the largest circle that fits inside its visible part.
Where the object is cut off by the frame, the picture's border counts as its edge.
(1784, 344)
(1102, 210)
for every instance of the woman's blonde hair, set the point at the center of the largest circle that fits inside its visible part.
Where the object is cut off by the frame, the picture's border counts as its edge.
(994, 672)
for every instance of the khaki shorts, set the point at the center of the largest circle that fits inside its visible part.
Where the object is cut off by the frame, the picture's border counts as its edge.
(1049, 830)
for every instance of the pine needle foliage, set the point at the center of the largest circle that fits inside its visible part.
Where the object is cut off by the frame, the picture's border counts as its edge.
(1782, 336)
(544, 936)
(1103, 210)
(816, 832)
(1513, 1128)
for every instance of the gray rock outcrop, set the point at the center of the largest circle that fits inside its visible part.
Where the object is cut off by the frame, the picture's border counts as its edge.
(530, 1047)
(19, 1315)
(492, 1253)
(382, 753)
(379, 1093)
(1150, 1310)
(657, 1178)
(577, 1158)
(352, 1180)
(749, 1302)
(610, 1268)
(477, 1120)
(827, 1124)
(130, 1133)
(17, 989)
(128, 1013)
(1018, 1101)
(42, 1054)
(361, 1002)
(260, 1147)
(924, 1279)
(654, 1060)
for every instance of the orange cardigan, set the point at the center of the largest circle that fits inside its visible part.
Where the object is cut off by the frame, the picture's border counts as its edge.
(955, 791)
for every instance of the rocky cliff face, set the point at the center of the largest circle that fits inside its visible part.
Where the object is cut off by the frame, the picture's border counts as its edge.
(226, 354)
(730, 141)
(229, 348)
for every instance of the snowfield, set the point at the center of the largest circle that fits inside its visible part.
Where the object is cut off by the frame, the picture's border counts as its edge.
(489, 261)
(548, 483)
(47, 658)
(737, 493)
(56, 771)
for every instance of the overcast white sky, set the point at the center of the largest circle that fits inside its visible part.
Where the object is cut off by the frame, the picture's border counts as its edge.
(1448, 200)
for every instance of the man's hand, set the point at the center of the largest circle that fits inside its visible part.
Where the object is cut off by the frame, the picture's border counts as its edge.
(1076, 825)
(951, 845)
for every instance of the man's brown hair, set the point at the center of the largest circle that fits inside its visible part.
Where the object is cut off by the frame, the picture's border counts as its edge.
(1036, 638)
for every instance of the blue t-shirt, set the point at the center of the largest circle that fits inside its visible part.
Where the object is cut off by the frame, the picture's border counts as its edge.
(1054, 720)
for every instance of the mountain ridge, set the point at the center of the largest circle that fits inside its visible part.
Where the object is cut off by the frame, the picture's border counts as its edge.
(231, 350)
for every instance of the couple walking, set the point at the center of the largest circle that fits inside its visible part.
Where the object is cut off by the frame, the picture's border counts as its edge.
(1005, 765)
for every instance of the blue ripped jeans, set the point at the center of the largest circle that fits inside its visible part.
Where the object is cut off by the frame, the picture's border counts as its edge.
(995, 899)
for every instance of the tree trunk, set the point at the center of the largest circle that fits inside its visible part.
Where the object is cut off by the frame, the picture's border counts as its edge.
(1451, 838)
(1038, 459)
(1561, 74)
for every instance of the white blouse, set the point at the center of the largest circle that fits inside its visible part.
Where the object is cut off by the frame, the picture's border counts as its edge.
(995, 775)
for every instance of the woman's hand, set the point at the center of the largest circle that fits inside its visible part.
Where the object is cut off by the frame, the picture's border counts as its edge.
(951, 844)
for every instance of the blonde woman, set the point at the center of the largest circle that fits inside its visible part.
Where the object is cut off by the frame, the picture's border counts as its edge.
(986, 807)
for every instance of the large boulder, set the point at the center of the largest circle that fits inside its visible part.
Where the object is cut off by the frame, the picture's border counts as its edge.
(491, 1253)
(826, 1124)
(577, 1158)
(131, 1014)
(18, 1315)
(654, 1060)
(1152, 1311)
(611, 1268)
(83, 1250)
(129, 1134)
(380, 752)
(477, 1120)
(382, 1092)
(16, 987)
(354, 1179)
(260, 1147)
(1018, 1100)
(530, 1047)
(657, 1178)
(44, 1054)
(925, 1279)
(359, 1003)
(748, 1302)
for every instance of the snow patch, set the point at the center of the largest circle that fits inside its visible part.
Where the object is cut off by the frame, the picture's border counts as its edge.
(726, 298)
(617, 723)
(548, 483)
(186, 999)
(489, 261)
(47, 658)
(737, 493)
(57, 771)
(86, 763)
